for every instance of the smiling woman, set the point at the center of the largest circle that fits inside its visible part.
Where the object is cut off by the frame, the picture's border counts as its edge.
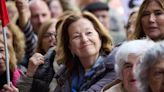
(83, 45)
(150, 21)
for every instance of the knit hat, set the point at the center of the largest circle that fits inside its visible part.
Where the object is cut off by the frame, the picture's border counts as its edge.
(96, 6)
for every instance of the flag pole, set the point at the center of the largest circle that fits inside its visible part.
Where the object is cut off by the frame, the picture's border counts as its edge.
(5, 20)
(6, 54)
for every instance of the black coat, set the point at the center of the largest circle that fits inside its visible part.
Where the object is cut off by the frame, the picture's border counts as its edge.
(44, 74)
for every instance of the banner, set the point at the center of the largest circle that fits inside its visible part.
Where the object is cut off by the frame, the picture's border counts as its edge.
(3, 13)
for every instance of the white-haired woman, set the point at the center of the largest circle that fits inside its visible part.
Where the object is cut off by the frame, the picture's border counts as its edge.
(150, 72)
(126, 59)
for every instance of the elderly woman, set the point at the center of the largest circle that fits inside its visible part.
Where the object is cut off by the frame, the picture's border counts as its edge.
(150, 21)
(150, 72)
(127, 58)
(83, 45)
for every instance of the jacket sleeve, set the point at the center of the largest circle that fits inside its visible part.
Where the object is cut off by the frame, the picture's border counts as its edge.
(24, 83)
(109, 77)
(30, 42)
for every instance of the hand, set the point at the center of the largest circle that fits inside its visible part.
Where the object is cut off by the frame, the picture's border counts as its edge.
(36, 60)
(22, 5)
(24, 12)
(9, 88)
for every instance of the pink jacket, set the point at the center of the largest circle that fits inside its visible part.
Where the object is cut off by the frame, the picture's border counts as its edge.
(16, 75)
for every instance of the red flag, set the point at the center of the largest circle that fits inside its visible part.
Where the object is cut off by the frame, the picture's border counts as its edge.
(3, 13)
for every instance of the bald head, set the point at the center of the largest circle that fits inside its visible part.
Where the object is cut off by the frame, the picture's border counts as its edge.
(39, 13)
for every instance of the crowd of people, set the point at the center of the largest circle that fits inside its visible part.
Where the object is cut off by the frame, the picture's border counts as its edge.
(75, 46)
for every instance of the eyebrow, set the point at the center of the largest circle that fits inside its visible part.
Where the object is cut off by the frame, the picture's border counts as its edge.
(126, 63)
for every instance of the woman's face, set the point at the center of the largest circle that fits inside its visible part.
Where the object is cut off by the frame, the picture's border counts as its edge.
(131, 24)
(55, 8)
(156, 76)
(2, 58)
(49, 38)
(8, 35)
(84, 39)
(153, 21)
(129, 80)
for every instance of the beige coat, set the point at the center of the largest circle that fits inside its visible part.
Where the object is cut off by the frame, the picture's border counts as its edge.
(115, 88)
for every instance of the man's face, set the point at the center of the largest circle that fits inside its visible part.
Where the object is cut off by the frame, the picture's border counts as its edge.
(39, 14)
(103, 16)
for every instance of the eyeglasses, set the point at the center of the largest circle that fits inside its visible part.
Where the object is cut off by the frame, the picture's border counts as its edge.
(49, 34)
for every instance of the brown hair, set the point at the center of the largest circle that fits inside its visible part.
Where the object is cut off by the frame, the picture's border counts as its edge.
(65, 55)
(43, 29)
(139, 32)
(12, 56)
(18, 40)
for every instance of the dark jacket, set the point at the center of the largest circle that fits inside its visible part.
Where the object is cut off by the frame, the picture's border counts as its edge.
(44, 74)
(104, 74)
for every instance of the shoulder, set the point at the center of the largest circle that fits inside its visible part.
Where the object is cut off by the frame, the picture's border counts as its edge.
(110, 58)
(114, 86)
(16, 75)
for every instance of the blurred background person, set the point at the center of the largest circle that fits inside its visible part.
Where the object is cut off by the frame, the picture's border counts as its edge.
(55, 7)
(150, 71)
(126, 60)
(150, 21)
(47, 36)
(130, 26)
(40, 70)
(12, 11)
(31, 16)
(39, 13)
(101, 11)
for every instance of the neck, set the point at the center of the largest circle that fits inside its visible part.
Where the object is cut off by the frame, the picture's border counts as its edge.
(89, 61)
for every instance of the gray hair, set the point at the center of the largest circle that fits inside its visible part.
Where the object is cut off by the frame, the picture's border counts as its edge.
(136, 46)
(149, 59)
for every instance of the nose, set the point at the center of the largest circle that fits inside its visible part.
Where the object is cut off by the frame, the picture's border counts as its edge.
(40, 20)
(84, 38)
(152, 18)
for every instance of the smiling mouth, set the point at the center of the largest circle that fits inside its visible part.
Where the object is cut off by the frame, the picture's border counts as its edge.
(152, 27)
(86, 45)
